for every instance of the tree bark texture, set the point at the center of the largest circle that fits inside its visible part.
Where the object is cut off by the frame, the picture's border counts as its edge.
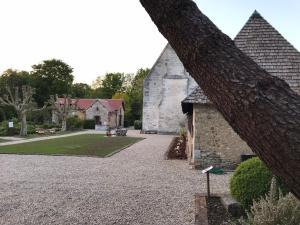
(23, 130)
(262, 109)
(64, 124)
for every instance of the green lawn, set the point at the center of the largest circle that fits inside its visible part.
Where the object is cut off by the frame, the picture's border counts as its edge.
(85, 144)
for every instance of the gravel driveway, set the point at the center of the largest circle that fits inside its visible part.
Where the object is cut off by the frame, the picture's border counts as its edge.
(135, 186)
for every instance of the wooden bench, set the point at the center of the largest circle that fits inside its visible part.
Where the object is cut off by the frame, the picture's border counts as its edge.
(52, 130)
(40, 131)
(121, 132)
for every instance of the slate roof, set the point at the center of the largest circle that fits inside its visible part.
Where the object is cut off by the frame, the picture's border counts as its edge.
(84, 103)
(197, 96)
(268, 48)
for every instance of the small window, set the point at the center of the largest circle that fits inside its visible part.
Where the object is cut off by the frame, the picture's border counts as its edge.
(97, 109)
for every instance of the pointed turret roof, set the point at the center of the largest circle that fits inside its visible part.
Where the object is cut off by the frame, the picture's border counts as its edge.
(269, 49)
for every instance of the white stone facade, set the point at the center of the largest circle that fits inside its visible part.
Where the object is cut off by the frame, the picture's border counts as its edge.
(167, 84)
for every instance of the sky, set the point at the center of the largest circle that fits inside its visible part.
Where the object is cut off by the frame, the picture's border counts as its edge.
(99, 36)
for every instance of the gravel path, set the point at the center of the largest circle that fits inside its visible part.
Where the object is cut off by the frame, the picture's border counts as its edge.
(135, 186)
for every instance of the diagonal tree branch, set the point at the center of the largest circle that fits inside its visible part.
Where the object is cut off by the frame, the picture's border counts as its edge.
(262, 109)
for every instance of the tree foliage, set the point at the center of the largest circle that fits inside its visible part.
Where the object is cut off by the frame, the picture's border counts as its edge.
(111, 83)
(133, 97)
(81, 90)
(51, 77)
(14, 78)
(135, 94)
(54, 77)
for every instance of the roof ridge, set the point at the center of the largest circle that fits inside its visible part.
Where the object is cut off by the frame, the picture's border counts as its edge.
(256, 14)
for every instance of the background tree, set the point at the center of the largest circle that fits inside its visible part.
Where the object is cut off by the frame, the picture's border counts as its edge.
(51, 77)
(136, 94)
(133, 96)
(12, 78)
(127, 103)
(22, 103)
(81, 90)
(261, 108)
(62, 107)
(111, 83)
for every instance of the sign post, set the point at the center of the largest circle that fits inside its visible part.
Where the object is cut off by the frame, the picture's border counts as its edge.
(207, 179)
(10, 124)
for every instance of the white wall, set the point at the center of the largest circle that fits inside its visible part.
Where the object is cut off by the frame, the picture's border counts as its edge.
(164, 88)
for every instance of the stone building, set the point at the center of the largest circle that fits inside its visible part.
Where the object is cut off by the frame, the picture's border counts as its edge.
(105, 112)
(166, 85)
(211, 139)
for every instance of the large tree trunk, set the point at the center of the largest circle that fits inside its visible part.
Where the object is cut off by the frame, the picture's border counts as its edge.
(23, 130)
(262, 109)
(64, 124)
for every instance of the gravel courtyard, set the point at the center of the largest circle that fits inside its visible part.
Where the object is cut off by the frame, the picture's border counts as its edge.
(135, 186)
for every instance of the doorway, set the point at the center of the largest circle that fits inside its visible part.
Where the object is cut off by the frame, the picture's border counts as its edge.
(98, 120)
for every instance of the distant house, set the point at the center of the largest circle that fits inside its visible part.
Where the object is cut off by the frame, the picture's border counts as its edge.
(105, 112)
(170, 93)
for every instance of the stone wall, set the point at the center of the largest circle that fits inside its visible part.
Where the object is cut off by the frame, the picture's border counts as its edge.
(114, 120)
(219, 145)
(97, 109)
(110, 119)
(165, 87)
(80, 115)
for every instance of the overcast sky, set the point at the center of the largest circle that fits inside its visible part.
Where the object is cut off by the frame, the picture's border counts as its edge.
(99, 36)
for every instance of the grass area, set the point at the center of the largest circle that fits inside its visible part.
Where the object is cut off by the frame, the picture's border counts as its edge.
(58, 133)
(85, 144)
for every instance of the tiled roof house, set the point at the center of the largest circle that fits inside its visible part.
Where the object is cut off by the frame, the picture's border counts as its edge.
(105, 112)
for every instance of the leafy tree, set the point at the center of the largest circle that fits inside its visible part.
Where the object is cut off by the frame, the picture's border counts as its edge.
(81, 90)
(136, 94)
(261, 108)
(51, 77)
(14, 78)
(110, 84)
(133, 96)
(127, 103)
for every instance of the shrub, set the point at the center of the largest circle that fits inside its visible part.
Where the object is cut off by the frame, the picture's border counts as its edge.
(274, 209)
(126, 122)
(48, 126)
(250, 181)
(89, 124)
(182, 132)
(6, 131)
(137, 125)
(74, 123)
(30, 129)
